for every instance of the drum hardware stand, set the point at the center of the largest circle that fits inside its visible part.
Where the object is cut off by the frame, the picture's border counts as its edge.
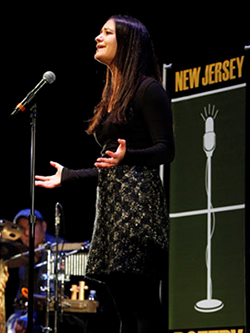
(59, 270)
(47, 329)
(58, 208)
(49, 277)
(58, 262)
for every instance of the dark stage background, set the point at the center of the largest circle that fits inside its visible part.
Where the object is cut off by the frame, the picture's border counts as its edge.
(60, 38)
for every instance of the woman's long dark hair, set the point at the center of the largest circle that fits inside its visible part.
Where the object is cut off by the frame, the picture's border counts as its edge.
(134, 59)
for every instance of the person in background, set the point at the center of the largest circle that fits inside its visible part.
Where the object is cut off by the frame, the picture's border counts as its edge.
(17, 322)
(133, 125)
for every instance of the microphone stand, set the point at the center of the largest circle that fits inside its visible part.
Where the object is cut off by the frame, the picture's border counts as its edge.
(32, 217)
(48, 77)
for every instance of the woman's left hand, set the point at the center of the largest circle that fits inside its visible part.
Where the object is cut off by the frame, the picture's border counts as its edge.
(114, 158)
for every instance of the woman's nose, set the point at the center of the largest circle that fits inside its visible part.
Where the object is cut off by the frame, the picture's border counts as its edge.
(99, 38)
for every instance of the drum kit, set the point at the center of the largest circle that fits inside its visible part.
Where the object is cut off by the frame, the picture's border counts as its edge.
(63, 262)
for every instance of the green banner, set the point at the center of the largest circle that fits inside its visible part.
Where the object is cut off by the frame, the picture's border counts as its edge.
(207, 240)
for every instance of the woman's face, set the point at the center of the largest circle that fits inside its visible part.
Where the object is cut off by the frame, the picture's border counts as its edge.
(106, 46)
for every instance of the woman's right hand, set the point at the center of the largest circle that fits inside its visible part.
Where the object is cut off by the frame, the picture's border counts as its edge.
(50, 181)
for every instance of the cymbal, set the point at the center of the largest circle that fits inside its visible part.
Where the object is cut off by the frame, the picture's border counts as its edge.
(18, 253)
(9, 230)
(9, 249)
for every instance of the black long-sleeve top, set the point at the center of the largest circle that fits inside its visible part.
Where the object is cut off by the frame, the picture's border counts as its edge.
(148, 132)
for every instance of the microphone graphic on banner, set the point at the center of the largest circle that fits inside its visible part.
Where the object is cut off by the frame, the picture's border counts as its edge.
(48, 78)
(209, 304)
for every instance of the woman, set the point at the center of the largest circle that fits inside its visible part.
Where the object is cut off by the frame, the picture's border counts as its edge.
(133, 125)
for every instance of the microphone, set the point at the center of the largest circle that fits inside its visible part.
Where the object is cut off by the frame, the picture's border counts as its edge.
(48, 77)
(57, 214)
(209, 138)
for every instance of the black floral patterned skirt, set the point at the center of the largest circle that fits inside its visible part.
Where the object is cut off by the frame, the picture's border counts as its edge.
(131, 227)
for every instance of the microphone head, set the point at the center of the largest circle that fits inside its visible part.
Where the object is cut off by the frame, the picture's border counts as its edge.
(49, 77)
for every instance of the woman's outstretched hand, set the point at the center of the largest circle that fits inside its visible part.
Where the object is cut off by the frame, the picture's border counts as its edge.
(50, 181)
(114, 158)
